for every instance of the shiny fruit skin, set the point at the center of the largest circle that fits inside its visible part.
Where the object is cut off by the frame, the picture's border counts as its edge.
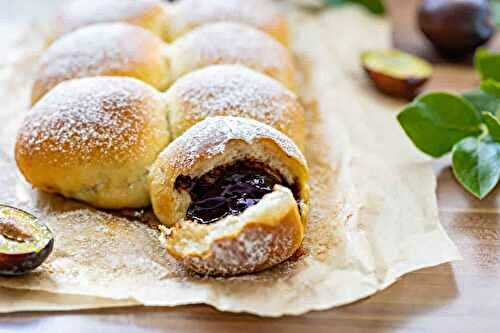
(402, 88)
(23, 263)
(456, 27)
(396, 73)
(25, 242)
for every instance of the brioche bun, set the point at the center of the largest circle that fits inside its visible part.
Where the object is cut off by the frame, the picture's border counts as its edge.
(263, 234)
(94, 140)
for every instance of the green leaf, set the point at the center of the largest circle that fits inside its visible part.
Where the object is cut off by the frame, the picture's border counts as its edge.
(487, 64)
(374, 6)
(487, 98)
(482, 101)
(491, 87)
(335, 2)
(436, 121)
(493, 125)
(476, 164)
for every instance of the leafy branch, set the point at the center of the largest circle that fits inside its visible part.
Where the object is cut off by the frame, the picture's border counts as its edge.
(468, 126)
(374, 6)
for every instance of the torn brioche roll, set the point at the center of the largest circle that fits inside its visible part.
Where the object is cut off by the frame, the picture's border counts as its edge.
(108, 49)
(231, 43)
(186, 15)
(74, 14)
(234, 192)
(233, 90)
(94, 140)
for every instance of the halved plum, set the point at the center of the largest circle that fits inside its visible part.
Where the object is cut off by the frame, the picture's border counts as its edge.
(396, 73)
(25, 242)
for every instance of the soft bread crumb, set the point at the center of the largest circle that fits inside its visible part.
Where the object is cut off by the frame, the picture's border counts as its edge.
(263, 235)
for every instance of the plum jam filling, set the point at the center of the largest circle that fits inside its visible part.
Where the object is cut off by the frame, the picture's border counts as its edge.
(227, 190)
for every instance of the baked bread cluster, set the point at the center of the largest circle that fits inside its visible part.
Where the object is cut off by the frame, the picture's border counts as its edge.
(188, 106)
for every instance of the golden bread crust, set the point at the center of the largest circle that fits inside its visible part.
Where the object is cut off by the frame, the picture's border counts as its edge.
(186, 15)
(98, 125)
(231, 43)
(148, 14)
(233, 90)
(94, 139)
(108, 49)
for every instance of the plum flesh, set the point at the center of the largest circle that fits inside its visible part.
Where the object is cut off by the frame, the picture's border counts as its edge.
(25, 242)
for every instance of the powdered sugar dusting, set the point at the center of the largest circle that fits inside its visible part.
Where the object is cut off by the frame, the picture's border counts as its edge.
(232, 43)
(233, 90)
(211, 135)
(191, 13)
(87, 119)
(78, 13)
(103, 49)
(255, 248)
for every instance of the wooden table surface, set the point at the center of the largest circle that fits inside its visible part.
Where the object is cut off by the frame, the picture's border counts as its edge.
(458, 297)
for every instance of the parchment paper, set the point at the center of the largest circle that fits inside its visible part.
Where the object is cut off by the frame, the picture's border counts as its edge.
(373, 216)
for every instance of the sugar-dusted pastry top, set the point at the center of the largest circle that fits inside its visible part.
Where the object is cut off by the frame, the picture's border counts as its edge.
(74, 14)
(231, 43)
(93, 139)
(233, 90)
(170, 20)
(185, 15)
(108, 49)
(121, 49)
(209, 138)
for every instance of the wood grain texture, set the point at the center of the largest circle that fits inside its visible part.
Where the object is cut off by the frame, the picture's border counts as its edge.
(458, 297)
